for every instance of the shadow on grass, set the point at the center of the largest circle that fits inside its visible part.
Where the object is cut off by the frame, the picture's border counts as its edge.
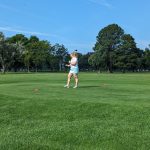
(90, 86)
(103, 85)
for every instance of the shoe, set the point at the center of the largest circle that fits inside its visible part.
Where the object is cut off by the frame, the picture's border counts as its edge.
(66, 86)
(75, 87)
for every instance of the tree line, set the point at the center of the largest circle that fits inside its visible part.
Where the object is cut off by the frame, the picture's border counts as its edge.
(113, 51)
(20, 53)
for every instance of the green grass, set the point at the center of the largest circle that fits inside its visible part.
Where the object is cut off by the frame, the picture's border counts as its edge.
(107, 112)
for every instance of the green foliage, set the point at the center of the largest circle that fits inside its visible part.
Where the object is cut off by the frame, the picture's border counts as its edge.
(115, 50)
(6, 53)
(60, 52)
(108, 39)
(147, 58)
(37, 52)
(83, 61)
(127, 54)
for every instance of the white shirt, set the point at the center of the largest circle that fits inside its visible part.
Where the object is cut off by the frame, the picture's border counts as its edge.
(74, 60)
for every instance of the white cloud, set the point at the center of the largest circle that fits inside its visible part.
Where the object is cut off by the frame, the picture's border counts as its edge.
(18, 11)
(102, 3)
(10, 29)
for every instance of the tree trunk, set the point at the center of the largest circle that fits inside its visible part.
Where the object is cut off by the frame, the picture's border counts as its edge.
(3, 68)
(99, 70)
(36, 69)
(28, 69)
(124, 70)
(60, 65)
(110, 70)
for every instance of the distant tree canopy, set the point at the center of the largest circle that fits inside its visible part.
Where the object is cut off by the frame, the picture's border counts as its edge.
(113, 51)
(19, 53)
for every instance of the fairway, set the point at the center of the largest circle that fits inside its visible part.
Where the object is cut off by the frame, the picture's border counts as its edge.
(106, 112)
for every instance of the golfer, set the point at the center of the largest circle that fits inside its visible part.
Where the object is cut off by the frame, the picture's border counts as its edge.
(74, 70)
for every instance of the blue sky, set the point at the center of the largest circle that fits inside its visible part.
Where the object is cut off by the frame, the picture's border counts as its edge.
(75, 23)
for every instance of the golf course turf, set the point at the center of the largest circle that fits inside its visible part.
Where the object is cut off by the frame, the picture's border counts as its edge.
(106, 112)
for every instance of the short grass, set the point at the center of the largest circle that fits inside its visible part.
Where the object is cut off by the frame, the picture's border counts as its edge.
(106, 112)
